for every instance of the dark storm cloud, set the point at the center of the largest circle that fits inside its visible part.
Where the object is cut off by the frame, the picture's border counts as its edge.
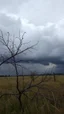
(42, 21)
(50, 48)
(51, 43)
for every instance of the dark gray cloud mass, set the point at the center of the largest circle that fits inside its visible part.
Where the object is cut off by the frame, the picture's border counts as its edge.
(43, 21)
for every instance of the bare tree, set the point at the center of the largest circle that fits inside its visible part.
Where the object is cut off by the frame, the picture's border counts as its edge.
(14, 51)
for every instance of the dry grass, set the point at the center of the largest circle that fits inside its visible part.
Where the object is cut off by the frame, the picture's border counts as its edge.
(51, 101)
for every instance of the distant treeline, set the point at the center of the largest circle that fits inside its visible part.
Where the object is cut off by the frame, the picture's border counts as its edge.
(34, 75)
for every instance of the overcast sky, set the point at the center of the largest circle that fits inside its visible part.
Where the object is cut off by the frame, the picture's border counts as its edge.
(43, 21)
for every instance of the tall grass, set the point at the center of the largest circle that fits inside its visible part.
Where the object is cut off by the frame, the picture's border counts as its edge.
(49, 100)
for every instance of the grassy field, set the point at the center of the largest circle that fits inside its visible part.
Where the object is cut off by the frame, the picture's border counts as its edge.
(48, 99)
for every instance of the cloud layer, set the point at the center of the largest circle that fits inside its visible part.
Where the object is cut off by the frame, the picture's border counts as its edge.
(50, 48)
(42, 21)
(51, 41)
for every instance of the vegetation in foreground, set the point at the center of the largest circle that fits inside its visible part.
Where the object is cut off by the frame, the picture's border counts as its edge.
(48, 99)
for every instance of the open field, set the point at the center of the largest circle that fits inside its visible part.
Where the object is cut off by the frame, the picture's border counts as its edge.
(48, 100)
